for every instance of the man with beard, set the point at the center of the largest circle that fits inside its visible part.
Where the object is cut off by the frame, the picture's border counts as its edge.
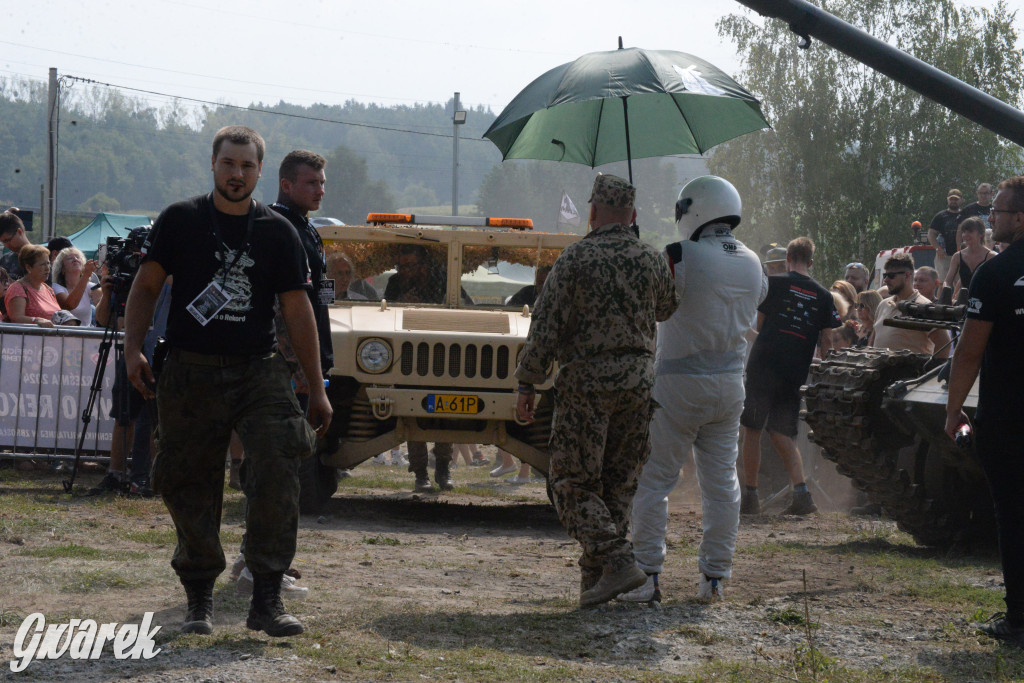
(230, 257)
(898, 275)
(990, 342)
(857, 275)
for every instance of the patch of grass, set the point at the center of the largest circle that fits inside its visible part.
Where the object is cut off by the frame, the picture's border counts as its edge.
(81, 552)
(381, 539)
(152, 536)
(789, 617)
(700, 636)
(100, 580)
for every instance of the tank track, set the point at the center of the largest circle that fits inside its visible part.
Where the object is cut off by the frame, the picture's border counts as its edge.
(846, 410)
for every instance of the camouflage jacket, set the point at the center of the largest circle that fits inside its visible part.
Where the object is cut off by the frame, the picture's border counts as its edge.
(596, 314)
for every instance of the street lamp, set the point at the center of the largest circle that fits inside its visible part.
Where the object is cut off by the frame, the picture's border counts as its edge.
(458, 118)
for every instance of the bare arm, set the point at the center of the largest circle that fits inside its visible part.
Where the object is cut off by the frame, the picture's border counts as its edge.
(966, 362)
(298, 319)
(954, 269)
(933, 238)
(138, 318)
(16, 313)
(74, 296)
(941, 340)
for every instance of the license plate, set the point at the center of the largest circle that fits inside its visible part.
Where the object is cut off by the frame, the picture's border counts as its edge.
(450, 404)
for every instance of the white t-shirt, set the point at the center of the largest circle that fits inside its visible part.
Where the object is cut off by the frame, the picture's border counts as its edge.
(83, 311)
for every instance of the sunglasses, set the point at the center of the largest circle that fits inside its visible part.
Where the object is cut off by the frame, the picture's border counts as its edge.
(855, 264)
(890, 276)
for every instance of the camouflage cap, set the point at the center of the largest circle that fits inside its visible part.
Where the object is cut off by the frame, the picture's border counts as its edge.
(613, 191)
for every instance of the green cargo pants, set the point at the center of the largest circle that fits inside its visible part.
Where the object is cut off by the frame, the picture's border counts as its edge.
(200, 401)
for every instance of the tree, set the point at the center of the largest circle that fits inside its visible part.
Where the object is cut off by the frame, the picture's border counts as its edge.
(854, 157)
(100, 202)
(350, 192)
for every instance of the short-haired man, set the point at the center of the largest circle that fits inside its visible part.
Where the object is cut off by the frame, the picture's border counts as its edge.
(230, 257)
(596, 317)
(898, 275)
(699, 384)
(990, 341)
(12, 236)
(301, 182)
(982, 207)
(926, 282)
(857, 274)
(796, 314)
(944, 225)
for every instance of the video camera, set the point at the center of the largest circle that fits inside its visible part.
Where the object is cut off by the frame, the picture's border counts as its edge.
(122, 256)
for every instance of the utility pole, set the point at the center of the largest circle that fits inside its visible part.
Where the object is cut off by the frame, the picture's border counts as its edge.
(49, 206)
(458, 118)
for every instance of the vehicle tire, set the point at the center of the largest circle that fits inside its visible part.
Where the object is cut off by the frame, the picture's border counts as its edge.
(317, 483)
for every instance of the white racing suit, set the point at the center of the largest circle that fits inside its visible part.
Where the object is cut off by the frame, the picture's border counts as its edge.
(699, 386)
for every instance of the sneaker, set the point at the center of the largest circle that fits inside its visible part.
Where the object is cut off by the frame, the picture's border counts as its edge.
(802, 504)
(612, 584)
(236, 569)
(502, 470)
(649, 592)
(399, 460)
(709, 589)
(380, 459)
(289, 589)
(519, 480)
(749, 504)
(479, 460)
(140, 489)
(111, 483)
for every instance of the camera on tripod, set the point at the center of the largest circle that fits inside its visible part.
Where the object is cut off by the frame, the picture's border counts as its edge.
(122, 256)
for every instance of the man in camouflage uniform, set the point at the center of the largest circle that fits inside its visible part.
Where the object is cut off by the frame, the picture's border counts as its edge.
(596, 317)
(230, 256)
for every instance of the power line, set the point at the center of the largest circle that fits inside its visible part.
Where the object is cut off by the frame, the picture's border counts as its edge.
(266, 111)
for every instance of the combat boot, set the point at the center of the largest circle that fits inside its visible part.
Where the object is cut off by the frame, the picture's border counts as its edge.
(443, 477)
(200, 606)
(266, 612)
(423, 484)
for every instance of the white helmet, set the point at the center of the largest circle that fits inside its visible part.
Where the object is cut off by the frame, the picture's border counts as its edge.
(708, 199)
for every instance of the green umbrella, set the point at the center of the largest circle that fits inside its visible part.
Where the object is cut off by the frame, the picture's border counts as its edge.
(625, 104)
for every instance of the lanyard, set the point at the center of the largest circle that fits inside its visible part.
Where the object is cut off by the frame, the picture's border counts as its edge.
(222, 248)
(279, 207)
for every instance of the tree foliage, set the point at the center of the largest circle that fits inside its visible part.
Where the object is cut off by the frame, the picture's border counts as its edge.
(855, 157)
(350, 192)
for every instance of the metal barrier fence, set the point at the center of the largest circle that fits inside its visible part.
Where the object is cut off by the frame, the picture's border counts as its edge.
(45, 378)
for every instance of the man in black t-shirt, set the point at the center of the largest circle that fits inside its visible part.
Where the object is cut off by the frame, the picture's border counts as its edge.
(991, 342)
(230, 257)
(944, 224)
(790, 321)
(979, 208)
(301, 181)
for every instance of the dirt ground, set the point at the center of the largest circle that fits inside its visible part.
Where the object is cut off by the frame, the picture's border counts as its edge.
(481, 584)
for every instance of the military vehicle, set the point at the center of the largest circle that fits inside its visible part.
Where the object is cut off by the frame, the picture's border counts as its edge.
(431, 363)
(879, 415)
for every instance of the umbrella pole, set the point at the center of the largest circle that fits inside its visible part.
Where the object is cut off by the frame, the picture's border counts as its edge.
(629, 154)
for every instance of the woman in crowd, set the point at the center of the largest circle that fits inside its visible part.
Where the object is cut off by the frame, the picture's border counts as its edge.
(867, 306)
(849, 295)
(70, 275)
(30, 301)
(971, 255)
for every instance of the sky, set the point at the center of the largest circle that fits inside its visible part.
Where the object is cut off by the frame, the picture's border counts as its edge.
(329, 51)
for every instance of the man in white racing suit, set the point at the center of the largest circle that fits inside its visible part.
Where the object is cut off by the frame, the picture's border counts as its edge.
(699, 384)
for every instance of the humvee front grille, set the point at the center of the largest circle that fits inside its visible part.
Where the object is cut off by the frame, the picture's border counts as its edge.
(456, 360)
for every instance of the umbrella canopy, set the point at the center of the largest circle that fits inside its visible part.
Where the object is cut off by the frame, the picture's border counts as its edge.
(625, 104)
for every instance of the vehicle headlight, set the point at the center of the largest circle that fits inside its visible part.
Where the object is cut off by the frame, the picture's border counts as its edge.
(374, 356)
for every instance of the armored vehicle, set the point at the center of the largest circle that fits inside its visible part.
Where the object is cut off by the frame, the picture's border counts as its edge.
(427, 336)
(879, 415)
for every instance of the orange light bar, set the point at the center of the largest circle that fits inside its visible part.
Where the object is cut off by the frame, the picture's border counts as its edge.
(389, 218)
(521, 223)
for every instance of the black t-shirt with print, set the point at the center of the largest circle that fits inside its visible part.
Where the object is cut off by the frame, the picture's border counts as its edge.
(997, 296)
(796, 309)
(185, 244)
(975, 209)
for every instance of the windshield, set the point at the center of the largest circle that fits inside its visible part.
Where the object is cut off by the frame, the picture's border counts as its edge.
(400, 273)
(505, 276)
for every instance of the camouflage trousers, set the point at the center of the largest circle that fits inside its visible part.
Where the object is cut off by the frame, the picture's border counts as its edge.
(599, 442)
(418, 459)
(199, 405)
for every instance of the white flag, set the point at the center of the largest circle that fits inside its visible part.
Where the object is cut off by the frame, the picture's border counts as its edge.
(568, 213)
